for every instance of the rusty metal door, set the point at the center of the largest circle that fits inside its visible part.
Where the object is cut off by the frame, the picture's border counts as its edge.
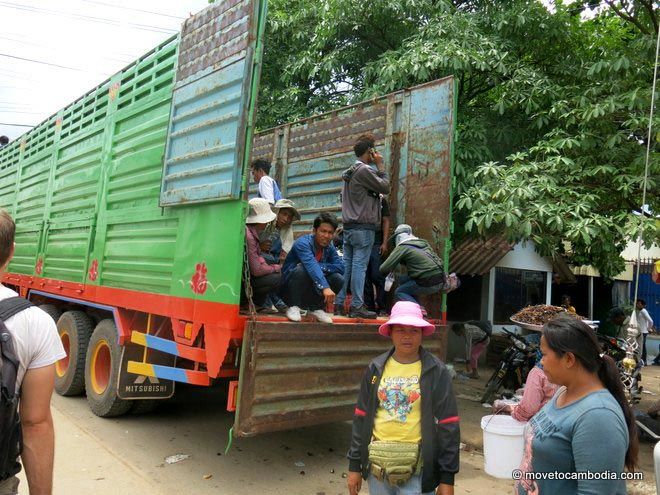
(415, 132)
(295, 375)
(213, 103)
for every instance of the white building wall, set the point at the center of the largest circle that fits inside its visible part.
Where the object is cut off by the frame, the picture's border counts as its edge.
(522, 257)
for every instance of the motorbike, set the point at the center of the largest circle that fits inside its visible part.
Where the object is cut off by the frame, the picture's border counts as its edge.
(517, 360)
(631, 377)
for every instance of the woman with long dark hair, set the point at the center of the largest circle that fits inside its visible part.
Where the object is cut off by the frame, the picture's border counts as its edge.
(587, 430)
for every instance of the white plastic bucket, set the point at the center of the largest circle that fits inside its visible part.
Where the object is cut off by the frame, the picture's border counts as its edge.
(656, 460)
(504, 445)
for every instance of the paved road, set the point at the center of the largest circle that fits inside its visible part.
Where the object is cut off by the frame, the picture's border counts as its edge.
(126, 455)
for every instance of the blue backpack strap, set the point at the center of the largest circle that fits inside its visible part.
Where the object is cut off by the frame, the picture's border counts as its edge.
(277, 194)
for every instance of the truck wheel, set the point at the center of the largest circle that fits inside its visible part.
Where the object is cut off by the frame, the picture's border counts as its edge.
(144, 406)
(74, 328)
(102, 372)
(52, 311)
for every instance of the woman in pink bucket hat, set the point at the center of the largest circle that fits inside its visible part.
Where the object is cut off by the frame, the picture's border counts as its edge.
(405, 427)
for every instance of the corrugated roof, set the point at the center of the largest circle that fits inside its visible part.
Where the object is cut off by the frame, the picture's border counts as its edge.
(478, 256)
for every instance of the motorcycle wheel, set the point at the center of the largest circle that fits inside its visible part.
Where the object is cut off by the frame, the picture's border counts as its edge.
(492, 387)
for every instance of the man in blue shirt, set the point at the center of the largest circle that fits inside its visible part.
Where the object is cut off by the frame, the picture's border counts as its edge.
(313, 271)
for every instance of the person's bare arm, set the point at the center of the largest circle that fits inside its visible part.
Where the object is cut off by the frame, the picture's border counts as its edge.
(386, 231)
(38, 431)
(444, 489)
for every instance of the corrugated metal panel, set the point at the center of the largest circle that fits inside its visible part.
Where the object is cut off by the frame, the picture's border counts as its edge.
(65, 251)
(8, 186)
(137, 151)
(212, 104)
(140, 255)
(428, 162)
(478, 256)
(413, 128)
(27, 248)
(77, 174)
(33, 190)
(306, 374)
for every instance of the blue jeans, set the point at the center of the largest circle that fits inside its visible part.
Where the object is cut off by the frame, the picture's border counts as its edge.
(357, 249)
(412, 487)
(408, 289)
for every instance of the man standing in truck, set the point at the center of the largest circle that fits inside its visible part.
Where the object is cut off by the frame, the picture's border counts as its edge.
(267, 186)
(374, 286)
(363, 185)
(36, 347)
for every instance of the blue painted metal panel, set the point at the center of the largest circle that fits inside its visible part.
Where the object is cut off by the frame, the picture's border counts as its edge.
(650, 292)
(202, 156)
(213, 103)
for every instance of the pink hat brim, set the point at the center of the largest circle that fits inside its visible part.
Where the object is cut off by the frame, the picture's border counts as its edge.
(406, 320)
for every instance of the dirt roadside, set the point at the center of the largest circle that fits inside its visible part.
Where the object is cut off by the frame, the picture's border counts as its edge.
(468, 394)
(127, 455)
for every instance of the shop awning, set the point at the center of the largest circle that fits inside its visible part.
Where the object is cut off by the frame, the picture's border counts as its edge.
(478, 256)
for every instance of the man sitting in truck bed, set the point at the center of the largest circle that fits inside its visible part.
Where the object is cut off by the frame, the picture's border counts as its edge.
(313, 271)
(277, 238)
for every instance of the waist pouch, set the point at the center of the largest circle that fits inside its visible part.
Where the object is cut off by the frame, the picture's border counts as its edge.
(431, 281)
(394, 462)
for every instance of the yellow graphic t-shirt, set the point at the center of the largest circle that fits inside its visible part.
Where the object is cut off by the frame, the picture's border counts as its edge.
(399, 413)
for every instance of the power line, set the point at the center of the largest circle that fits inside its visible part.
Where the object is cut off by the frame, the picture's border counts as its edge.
(134, 10)
(30, 43)
(48, 63)
(102, 20)
(16, 125)
(9, 110)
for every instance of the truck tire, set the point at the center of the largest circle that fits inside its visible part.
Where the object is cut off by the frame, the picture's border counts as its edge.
(102, 372)
(74, 328)
(144, 406)
(52, 311)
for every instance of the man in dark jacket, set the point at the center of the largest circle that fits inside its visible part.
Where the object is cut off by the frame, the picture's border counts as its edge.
(363, 184)
(425, 271)
(312, 271)
(406, 399)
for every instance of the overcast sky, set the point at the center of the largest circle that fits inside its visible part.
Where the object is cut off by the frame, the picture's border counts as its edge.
(89, 39)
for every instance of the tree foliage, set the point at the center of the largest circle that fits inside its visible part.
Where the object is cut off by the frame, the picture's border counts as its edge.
(553, 103)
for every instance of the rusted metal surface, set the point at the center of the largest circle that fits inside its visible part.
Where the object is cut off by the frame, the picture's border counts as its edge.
(302, 374)
(213, 103)
(478, 256)
(414, 131)
(214, 37)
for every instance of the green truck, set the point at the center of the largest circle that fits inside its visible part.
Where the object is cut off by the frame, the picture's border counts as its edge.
(130, 206)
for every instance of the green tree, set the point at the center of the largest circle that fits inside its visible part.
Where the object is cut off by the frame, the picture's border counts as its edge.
(553, 103)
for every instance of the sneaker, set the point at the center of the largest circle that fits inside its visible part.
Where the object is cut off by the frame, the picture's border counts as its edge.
(321, 316)
(266, 310)
(339, 310)
(361, 312)
(293, 313)
(474, 375)
(282, 309)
